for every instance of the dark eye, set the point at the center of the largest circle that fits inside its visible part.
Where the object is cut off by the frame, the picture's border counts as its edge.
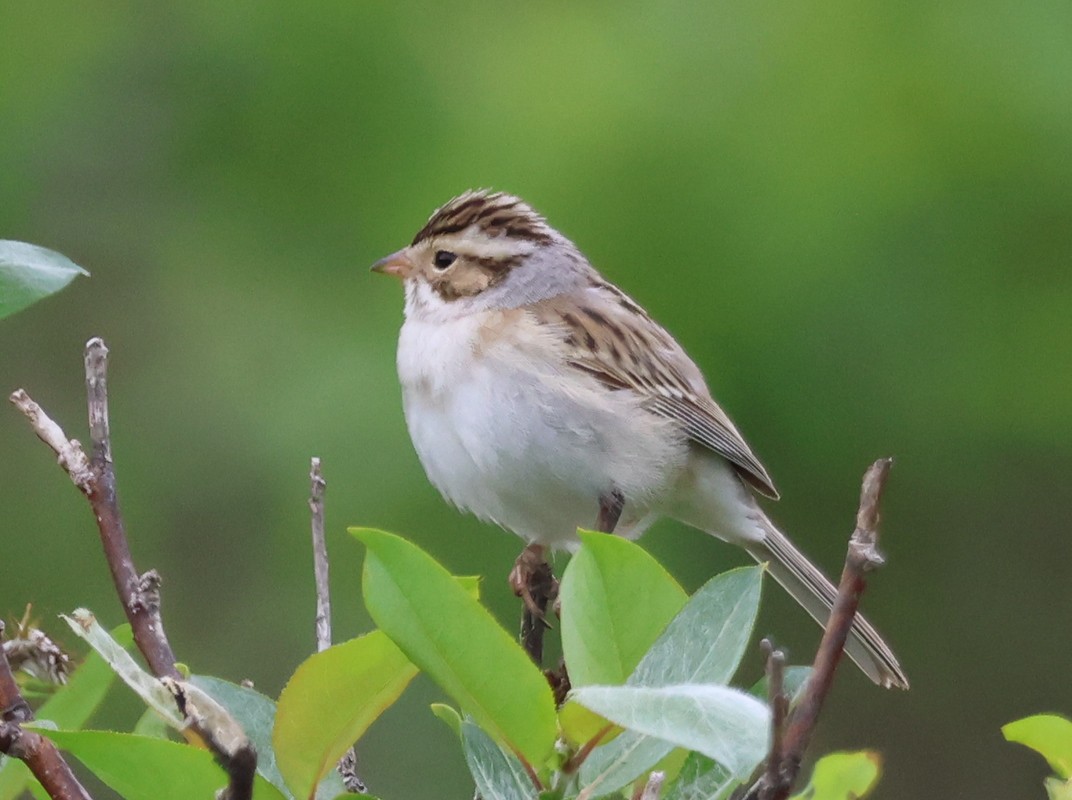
(444, 258)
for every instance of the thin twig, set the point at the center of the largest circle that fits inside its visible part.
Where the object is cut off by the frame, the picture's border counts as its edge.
(347, 766)
(651, 789)
(777, 780)
(139, 594)
(320, 557)
(37, 752)
(779, 703)
(69, 452)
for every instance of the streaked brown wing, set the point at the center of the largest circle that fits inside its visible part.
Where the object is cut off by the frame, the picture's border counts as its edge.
(619, 344)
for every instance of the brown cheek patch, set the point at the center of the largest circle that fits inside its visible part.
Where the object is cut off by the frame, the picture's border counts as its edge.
(473, 277)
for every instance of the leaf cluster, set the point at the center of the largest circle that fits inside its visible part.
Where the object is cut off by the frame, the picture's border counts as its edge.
(650, 669)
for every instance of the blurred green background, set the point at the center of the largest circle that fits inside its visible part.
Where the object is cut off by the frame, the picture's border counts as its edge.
(858, 220)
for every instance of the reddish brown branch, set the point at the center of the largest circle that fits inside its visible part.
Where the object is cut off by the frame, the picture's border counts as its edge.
(863, 556)
(779, 703)
(139, 594)
(37, 752)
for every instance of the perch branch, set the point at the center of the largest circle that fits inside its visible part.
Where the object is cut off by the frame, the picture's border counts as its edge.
(783, 767)
(139, 594)
(534, 582)
(37, 752)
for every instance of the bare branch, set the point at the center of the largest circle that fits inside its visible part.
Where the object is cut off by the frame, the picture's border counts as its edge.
(320, 557)
(862, 557)
(779, 703)
(347, 766)
(139, 594)
(69, 452)
(37, 752)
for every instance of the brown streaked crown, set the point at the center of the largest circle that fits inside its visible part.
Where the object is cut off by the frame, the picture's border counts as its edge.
(495, 214)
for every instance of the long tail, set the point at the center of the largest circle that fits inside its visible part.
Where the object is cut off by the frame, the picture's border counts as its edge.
(816, 594)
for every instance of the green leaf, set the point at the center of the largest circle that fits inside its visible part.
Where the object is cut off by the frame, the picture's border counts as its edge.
(454, 639)
(725, 724)
(330, 701)
(256, 714)
(703, 644)
(498, 775)
(701, 779)
(150, 724)
(69, 707)
(621, 761)
(471, 584)
(29, 273)
(616, 600)
(449, 716)
(842, 776)
(75, 702)
(1047, 734)
(142, 768)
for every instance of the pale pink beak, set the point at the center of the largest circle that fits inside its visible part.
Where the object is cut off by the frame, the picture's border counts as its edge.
(397, 264)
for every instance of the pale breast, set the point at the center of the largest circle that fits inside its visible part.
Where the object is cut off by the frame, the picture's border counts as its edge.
(505, 428)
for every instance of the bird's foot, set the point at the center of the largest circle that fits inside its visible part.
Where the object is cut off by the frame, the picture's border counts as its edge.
(532, 581)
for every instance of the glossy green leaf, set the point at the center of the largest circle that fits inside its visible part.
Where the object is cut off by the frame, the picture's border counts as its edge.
(701, 778)
(29, 273)
(330, 701)
(725, 724)
(1049, 735)
(471, 584)
(842, 776)
(457, 642)
(498, 775)
(141, 768)
(69, 707)
(616, 600)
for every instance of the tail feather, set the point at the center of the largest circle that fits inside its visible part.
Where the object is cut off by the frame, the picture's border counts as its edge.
(816, 594)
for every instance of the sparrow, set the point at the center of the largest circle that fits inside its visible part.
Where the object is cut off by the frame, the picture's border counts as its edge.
(538, 396)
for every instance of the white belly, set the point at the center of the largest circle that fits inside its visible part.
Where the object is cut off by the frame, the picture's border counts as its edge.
(504, 429)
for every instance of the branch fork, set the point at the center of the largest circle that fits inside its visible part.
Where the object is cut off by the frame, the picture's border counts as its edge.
(138, 593)
(791, 732)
